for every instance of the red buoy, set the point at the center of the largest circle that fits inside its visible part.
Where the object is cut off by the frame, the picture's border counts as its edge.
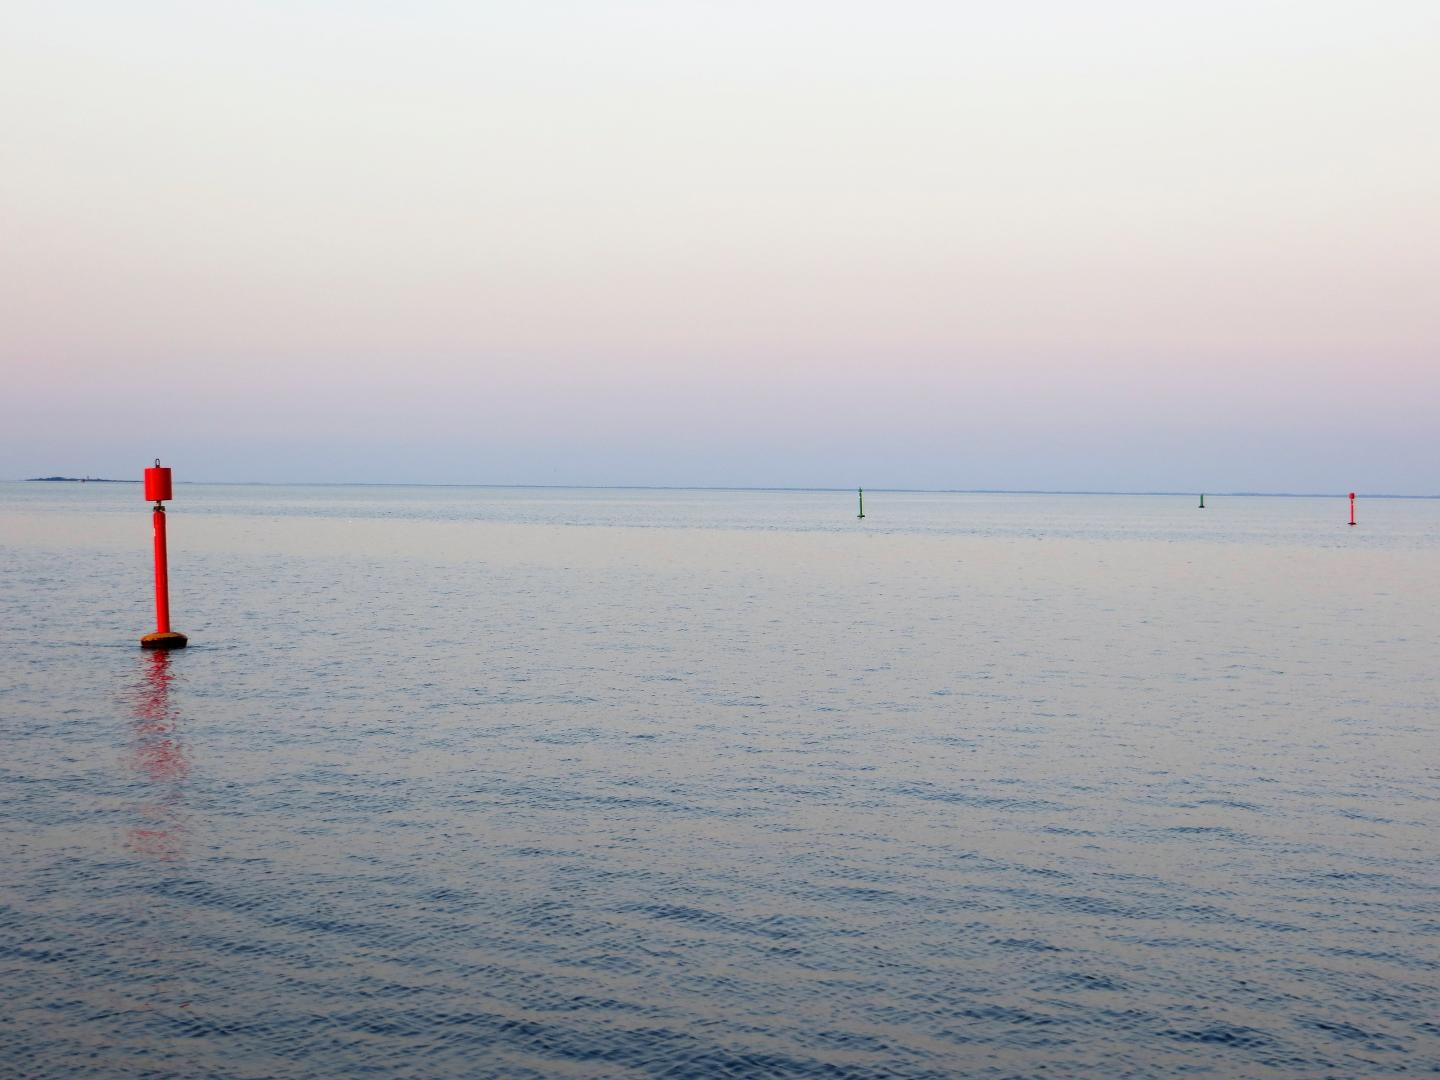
(157, 483)
(1352, 508)
(157, 490)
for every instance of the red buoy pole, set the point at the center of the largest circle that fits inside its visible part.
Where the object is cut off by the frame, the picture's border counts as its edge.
(157, 490)
(1352, 508)
(162, 574)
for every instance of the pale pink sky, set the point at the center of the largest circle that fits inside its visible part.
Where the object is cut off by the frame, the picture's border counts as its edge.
(1100, 245)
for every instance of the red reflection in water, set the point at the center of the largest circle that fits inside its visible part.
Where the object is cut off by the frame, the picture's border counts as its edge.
(158, 754)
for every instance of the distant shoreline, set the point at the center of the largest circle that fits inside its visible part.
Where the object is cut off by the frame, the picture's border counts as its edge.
(75, 480)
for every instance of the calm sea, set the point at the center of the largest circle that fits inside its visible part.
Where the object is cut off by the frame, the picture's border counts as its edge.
(539, 783)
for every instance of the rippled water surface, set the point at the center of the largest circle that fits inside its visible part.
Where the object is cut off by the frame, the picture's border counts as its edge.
(470, 782)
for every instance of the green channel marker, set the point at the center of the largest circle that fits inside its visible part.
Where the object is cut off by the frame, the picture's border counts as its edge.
(862, 503)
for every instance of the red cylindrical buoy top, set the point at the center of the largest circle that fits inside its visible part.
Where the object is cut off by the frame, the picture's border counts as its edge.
(157, 483)
(1352, 494)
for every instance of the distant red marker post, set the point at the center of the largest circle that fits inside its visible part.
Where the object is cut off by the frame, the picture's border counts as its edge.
(157, 490)
(1352, 508)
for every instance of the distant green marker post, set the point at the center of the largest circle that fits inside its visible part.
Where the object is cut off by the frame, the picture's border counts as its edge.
(862, 503)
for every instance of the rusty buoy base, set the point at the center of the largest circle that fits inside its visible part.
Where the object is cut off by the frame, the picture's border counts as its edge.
(166, 639)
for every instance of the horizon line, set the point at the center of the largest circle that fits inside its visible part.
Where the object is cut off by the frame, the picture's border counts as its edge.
(742, 487)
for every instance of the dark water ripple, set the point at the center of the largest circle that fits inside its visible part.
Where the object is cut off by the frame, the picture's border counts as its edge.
(935, 830)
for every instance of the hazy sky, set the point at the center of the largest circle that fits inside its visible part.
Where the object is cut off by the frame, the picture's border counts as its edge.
(1059, 245)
